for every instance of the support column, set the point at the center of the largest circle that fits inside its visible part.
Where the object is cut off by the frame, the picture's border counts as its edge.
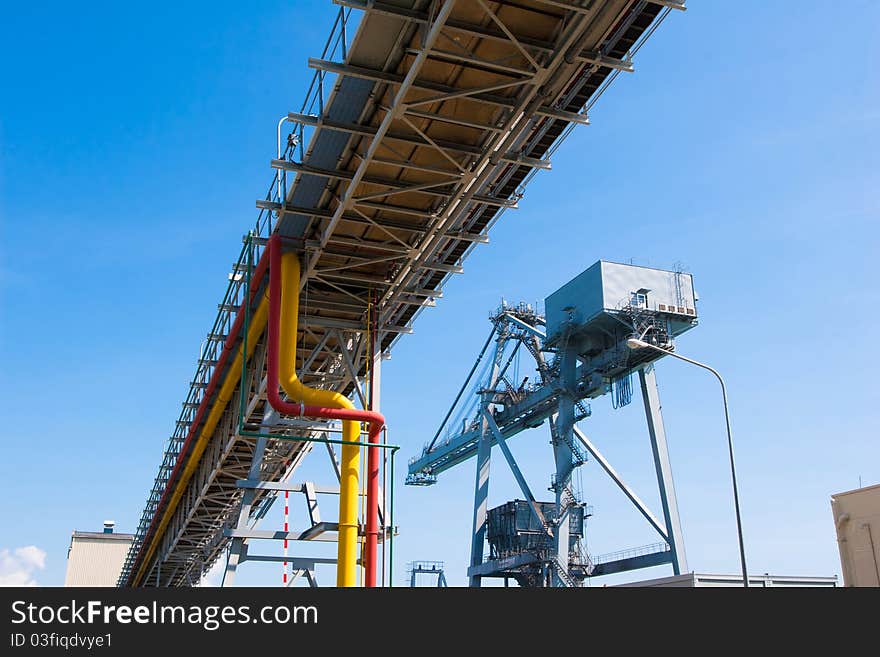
(484, 452)
(562, 449)
(651, 398)
(375, 384)
(481, 499)
(238, 549)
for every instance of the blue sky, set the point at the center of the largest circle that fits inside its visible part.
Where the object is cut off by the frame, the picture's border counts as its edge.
(134, 140)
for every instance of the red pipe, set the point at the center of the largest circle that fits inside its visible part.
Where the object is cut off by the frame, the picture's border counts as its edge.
(376, 420)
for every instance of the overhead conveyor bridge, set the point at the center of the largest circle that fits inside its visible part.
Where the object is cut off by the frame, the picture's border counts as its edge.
(424, 122)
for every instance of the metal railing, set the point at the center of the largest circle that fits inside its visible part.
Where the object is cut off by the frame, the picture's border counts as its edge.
(651, 548)
(313, 104)
(209, 354)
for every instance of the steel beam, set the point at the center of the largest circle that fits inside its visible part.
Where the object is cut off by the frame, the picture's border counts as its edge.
(319, 213)
(443, 118)
(376, 137)
(510, 35)
(484, 460)
(296, 563)
(593, 57)
(563, 442)
(439, 266)
(517, 473)
(373, 75)
(579, 6)
(239, 546)
(351, 242)
(617, 479)
(516, 321)
(353, 262)
(480, 238)
(414, 166)
(472, 61)
(489, 568)
(350, 368)
(458, 92)
(425, 292)
(424, 18)
(299, 487)
(311, 494)
(671, 4)
(651, 398)
(314, 533)
(352, 325)
(632, 563)
(395, 185)
(399, 209)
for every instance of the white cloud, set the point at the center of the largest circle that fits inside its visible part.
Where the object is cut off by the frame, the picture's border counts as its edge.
(17, 567)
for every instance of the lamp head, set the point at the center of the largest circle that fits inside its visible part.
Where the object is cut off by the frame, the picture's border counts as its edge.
(635, 343)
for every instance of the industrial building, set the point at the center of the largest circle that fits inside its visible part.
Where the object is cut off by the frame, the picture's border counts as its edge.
(857, 522)
(697, 580)
(96, 558)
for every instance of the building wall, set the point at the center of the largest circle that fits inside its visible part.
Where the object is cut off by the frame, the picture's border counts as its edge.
(697, 580)
(95, 559)
(606, 285)
(618, 281)
(857, 520)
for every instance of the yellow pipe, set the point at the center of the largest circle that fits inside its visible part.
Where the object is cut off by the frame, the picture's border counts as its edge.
(346, 573)
(233, 378)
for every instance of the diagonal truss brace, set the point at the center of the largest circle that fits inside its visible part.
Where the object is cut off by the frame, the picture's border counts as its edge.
(376, 138)
(475, 95)
(517, 474)
(616, 478)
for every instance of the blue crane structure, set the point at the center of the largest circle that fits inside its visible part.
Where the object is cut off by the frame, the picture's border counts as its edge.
(434, 570)
(580, 352)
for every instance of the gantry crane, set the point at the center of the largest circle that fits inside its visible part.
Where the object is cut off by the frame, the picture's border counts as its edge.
(580, 352)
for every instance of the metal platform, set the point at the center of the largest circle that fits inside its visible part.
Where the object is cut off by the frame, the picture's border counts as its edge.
(421, 127)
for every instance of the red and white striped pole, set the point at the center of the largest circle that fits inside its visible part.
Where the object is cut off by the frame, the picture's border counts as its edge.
(286, 529)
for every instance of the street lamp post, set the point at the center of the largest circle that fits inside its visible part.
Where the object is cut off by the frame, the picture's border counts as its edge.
(635, 343)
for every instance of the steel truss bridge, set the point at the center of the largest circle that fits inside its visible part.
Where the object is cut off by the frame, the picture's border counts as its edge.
(424, 122)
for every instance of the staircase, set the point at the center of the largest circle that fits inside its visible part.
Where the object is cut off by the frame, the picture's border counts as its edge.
(563, 575)
(534, 348)
(578, 455)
